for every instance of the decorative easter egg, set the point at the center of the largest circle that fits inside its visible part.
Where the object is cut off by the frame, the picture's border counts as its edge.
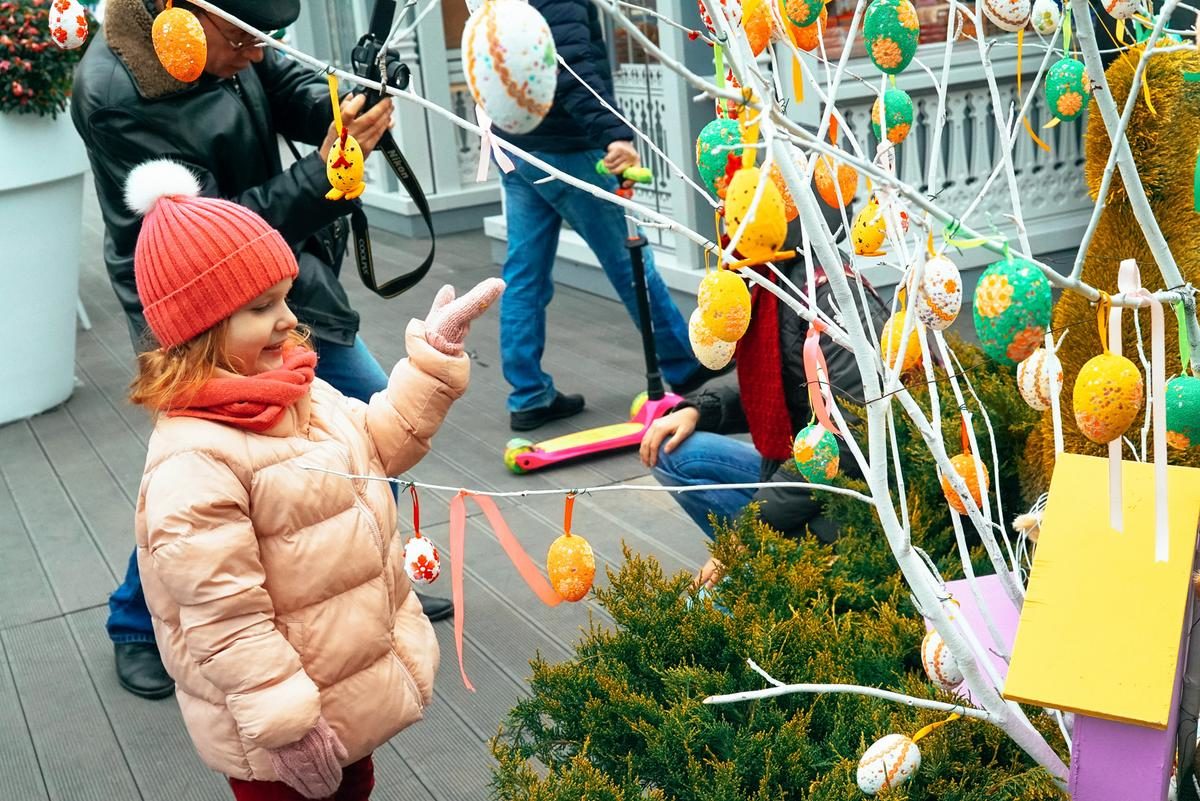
(868, 230)
(571, 566)
(1108, 395)
(809, 37)
(713, 148)
(1034, 375)
(888, 763)
(509, 60)
(816, 453)
(891, 30)
(892, 337)
(847, 181)
(1012, 310)
(68, 24)
(899, 116)
(1067, 89)
(724, 304)
(344, 169)
(940, 665)
(758, 24)
(733, 13)
(1121, 9)
(939, 296)
(763, 234)
(970, 468)
(803, 13)
(713, 352)
(180, 44)
(790, 212)
(422, 562)
(1183, 411)
(1045, 17)
(1007, 15)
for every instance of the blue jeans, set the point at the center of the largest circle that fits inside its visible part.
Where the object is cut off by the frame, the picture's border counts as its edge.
(535, 213)
(706, 458)
(353, 371)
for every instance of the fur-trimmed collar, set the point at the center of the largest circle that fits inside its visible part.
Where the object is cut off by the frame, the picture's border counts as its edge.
(127, 29)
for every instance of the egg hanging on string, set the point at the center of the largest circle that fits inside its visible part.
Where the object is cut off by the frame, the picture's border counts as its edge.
(891, 31)
(1007, 15)
(1045, 17)
(1183, 411)
(890, 762)
(837, 195)
(891, 339)
(718, 140)
(1107, 397)
(762, 235)
(1067, 89)
(180, 44)
(422, 562)
(1121, 9)
(940, 665)
(510, 64)
(898, 115)
(970, 469)
(816, 453)
(571, 566)
(939, 296)
(724, 303)
(68, 24)
(1012, 309)
(711, 351)
(1034, 375)
(802, 13)
(758, 24)
(344, 169)
(809, 37)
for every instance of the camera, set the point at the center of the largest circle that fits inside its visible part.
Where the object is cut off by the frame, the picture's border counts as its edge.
(371, 58)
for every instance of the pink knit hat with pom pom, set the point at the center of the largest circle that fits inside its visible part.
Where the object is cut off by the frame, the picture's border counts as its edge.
(198, 259)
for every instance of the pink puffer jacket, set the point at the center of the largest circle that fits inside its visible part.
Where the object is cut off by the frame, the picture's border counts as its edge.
(279, 593)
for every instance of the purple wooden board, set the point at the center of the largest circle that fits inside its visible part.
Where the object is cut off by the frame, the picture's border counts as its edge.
(1004, 615)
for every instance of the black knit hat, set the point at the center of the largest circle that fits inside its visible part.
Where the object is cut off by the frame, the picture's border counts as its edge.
(266, 15)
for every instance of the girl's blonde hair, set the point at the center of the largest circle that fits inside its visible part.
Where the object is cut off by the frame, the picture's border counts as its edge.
(169, 377)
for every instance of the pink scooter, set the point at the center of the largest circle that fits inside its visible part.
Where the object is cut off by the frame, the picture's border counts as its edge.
(523, 456)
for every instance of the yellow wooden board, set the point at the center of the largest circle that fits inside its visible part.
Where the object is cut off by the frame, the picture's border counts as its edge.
(1101, 626)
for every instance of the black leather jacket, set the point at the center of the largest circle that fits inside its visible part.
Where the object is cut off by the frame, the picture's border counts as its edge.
(128, 110)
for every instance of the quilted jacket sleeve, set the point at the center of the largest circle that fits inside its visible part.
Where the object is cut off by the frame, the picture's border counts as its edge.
(204, 550)
(402, 420)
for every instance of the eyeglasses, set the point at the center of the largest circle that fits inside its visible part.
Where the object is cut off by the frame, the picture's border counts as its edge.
(236, 47)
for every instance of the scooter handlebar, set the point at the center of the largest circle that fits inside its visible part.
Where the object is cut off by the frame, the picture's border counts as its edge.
(639, 175)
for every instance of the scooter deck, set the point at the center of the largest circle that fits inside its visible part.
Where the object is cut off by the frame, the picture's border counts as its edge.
(591, 436)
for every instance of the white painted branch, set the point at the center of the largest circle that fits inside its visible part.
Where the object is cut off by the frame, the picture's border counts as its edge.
(854, 689)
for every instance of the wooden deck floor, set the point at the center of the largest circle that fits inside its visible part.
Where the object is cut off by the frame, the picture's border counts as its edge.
(69, 478)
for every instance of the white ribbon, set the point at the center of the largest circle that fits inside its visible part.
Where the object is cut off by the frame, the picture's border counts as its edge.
(1053, 366)
(1129, 281)
(488, 149)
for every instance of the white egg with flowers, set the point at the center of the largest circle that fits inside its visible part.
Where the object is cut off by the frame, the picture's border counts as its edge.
(510, 63)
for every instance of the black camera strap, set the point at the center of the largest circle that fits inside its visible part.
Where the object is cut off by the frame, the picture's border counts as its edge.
(362, 233)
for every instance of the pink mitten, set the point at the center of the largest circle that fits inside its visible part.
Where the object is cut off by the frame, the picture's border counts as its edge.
(312, 765)
(448, 320)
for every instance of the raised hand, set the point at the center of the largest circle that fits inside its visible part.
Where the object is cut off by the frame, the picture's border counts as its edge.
(450, 318)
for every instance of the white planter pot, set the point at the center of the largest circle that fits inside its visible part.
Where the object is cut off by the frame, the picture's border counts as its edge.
(41, 204)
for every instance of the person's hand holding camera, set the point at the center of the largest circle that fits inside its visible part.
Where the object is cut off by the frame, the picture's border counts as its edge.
(367, 128)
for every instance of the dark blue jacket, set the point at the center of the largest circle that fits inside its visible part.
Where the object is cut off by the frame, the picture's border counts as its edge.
(577, 120)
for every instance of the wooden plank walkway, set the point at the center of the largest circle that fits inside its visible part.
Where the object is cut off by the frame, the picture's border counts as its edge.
(68, 483)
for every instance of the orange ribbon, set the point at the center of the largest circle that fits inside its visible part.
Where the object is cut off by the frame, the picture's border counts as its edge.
(512, 547)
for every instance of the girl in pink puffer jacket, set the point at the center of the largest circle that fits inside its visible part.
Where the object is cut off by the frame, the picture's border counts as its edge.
(279, 596)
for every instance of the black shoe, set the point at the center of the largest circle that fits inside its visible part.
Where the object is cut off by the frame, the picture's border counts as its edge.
(140, 670)
(700, 378)
(562, 406)
(435, 608)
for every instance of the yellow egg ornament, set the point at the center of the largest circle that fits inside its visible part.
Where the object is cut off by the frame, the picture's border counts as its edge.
(869, 230)
(891, 339)
(1107, 397)
(180, 43)
(763, 234)
(712, 352)
(724, 305)
(344, 169)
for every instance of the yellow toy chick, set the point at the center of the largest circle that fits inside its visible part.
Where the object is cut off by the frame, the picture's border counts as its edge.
(344, 169)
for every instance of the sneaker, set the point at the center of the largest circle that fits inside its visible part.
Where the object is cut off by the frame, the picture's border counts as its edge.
(701, 377)
(140, 670)
(435, 608)
(562, 406)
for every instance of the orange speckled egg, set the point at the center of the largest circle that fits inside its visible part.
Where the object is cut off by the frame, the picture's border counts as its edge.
(724, 305)
(758, 24)
(571, 566)
(847, 182)
(710, 351)
(1107, 397)
(893, 336)
(966, 466)
(180, 44)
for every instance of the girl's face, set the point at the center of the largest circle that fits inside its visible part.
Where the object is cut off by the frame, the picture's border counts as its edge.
(258, 330)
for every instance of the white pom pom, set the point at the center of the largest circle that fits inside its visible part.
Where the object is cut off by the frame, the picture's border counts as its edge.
(161, 178)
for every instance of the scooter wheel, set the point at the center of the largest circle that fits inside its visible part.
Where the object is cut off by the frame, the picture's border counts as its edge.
(638, 402)
(512, 450)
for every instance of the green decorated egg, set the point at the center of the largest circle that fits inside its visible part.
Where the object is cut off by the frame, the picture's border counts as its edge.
(1183, 411)
(890, 31)
(899, 115)
(1012, 310)
(1067, 89)
(803, 13)
(712, 151)
(816, 453)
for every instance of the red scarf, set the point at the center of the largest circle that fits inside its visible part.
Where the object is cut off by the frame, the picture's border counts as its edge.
(760, 377)
(254, 402)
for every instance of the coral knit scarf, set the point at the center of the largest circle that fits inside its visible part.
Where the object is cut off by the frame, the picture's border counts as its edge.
(255, 402)
(760, 378)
